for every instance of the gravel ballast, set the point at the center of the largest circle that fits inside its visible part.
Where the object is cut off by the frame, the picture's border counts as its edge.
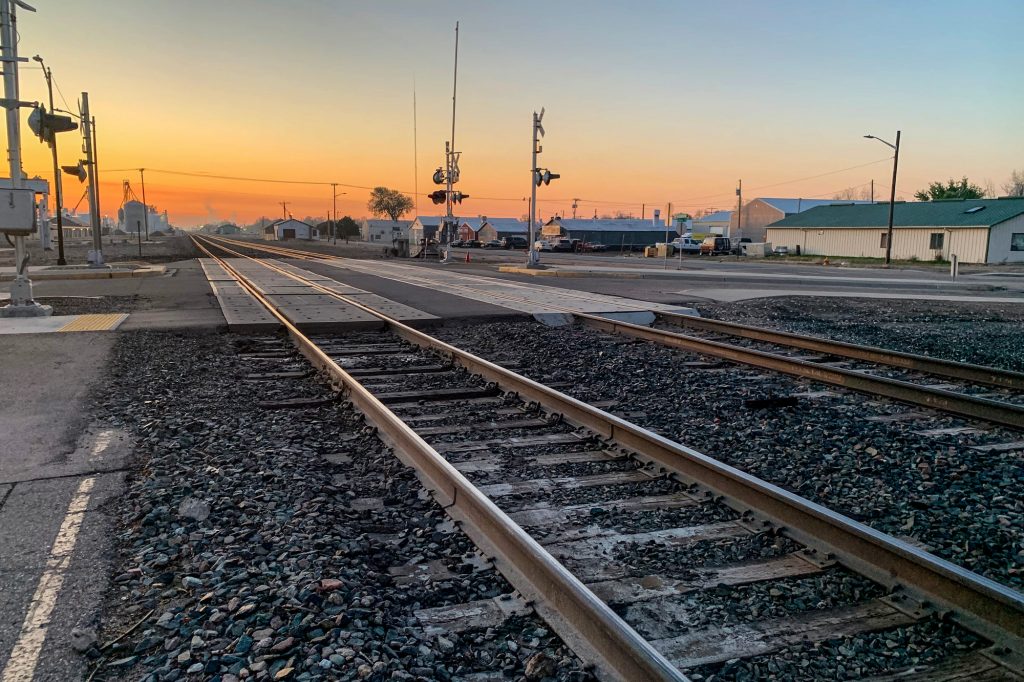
(963, 504)
(256, 543)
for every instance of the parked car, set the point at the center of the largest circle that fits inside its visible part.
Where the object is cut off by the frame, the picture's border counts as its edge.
(715, 246)
(542, 246)
(514, 242)
(492, 244)
(472, 244)
(686, 244)
(592, 246)
(562, 245)
(781, 250)
(458, 242)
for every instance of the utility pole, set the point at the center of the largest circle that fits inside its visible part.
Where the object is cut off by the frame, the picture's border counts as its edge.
(96, 170)
(739, 209)
(574, 200)
(872, 190)
(57, 183)
(145, 206)
(334, 223)
(284, 208)
(93, 190)
(22, 304)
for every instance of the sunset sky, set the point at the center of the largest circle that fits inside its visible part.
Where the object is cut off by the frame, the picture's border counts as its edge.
(647, 102)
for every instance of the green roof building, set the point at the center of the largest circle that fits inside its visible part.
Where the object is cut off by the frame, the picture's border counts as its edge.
(975, 230)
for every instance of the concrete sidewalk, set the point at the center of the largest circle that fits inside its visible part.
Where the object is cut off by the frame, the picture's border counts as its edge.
(113, 271)
(732, 276)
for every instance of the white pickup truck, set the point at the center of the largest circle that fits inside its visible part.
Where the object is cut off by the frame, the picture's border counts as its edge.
(686, 244)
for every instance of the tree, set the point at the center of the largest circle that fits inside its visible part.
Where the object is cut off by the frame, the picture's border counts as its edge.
(962, 189)
(388, 202)
(348, 227)
(851, 194)
(1014, 187)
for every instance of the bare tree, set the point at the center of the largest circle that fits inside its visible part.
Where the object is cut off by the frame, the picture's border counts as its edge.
(848, 194)
(1014, 187)
(388, 202)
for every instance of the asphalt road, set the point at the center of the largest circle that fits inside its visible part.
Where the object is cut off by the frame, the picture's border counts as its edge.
(57, 469)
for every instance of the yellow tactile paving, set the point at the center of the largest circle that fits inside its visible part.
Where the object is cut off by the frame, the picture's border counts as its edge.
(94, 323)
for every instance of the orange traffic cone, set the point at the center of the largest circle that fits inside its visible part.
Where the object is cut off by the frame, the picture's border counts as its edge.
(467, 256)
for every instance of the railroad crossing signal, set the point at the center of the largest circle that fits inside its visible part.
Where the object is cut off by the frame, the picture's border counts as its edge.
(46, 125)
(544, 176)
(441, 195)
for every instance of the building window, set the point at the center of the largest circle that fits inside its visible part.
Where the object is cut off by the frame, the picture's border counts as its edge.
(1017, 241)
(935, 240)
(885, 240)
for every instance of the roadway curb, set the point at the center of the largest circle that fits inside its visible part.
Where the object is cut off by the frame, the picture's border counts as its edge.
(39, 275)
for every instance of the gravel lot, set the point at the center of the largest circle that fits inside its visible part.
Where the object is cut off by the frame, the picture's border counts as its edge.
(256, 543)
(963, 504)
(983, 333)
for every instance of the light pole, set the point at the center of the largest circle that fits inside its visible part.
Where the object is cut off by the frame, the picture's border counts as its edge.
(145, 206)
(57, 186)
(334, 224)
(892, 194)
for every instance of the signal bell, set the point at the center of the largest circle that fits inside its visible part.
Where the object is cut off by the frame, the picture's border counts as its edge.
(438, 176)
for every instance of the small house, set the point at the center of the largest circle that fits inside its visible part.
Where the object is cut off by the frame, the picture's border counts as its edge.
(289, 228)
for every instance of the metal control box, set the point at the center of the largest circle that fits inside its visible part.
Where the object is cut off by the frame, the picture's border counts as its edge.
(17, 211)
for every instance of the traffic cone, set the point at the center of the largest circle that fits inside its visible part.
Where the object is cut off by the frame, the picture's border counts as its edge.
(467, 256)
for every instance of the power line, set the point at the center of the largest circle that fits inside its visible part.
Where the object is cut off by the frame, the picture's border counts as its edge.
(693, 201)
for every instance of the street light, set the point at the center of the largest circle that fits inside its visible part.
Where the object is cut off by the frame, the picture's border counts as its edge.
(892, 195)
(58, 200)
(334, 225)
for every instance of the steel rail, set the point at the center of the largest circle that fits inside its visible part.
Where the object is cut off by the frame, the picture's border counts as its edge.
(586, 623)
(980, 604)
(995, 411)
(1006, 414)
(981, 374)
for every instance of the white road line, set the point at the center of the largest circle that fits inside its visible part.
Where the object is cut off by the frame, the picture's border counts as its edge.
(22, 664)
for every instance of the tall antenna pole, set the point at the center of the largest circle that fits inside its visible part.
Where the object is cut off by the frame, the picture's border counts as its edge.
(455, 81)
(415, 151)
(451, 157)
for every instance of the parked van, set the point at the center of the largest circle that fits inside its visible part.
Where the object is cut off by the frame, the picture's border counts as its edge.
(715, 246)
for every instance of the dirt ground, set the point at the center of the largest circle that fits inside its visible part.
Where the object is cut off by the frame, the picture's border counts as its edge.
(116, 249)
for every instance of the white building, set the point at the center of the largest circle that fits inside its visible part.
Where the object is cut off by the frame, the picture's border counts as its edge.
(384, 231)
(424, 227)
(975, 230)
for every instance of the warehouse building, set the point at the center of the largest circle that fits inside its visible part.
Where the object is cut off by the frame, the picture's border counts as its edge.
(384, 231)
(627, 234)
(282, 230)
(975, 230)
(758, 214)
(499, 228)
(716, 223)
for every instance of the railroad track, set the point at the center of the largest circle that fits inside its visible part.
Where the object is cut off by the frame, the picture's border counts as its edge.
(962, 400)
(633, 538)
